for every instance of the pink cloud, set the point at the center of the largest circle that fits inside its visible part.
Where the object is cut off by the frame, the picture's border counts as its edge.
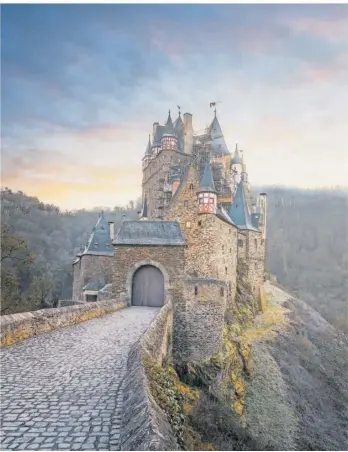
(330, 29)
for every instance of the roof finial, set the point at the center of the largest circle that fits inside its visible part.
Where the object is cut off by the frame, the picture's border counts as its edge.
(179, 109)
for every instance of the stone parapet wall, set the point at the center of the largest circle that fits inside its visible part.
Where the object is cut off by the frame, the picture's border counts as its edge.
(18, 327)
(145, 426)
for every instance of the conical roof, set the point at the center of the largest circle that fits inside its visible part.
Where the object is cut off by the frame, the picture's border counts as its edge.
(169, 128)
(100, 242)
(207, 181)
(237, 158)
(148, 151)
(217, 138)
(239, 211)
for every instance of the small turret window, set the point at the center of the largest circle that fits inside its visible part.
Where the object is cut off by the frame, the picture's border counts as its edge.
(196, 290)
(191, 186)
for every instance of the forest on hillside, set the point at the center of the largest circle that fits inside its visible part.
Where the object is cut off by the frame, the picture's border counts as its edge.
(307, 247)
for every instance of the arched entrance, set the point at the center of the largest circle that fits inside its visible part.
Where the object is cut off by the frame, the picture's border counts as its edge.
(148, 287)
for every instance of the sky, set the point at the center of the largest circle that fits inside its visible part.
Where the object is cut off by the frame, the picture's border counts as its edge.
(81, 86)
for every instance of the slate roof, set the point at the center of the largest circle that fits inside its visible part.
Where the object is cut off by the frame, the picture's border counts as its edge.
(217, 138)
(148, 151)
(207, 182)
(100, 242)
(156, 232)
(236, 159)
(239, 211)
(95, 284)
(179, 131)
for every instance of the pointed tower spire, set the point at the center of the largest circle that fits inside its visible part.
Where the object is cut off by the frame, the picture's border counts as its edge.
(148, 150)
(239, 211)
(237, 158)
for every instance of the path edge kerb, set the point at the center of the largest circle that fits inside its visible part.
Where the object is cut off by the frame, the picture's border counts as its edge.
(144, 424)
(15, 328)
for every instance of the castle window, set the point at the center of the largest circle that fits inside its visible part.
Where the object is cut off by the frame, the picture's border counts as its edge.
(223, 247)
(230, 250)
(240, 243)
(255, 264)
(185, 203)
(229, 287)
(191, 186)
(199, 223)
(226, 270)
(196, 290)
(188, 224)
(222, 291)
(255, 241)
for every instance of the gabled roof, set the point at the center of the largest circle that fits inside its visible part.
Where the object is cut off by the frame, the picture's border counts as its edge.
(207, 182)
(239, 211)
(148, 151)
(100, 242)
(154, 232)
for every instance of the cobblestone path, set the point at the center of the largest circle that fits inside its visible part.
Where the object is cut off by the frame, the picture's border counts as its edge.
(63, 390)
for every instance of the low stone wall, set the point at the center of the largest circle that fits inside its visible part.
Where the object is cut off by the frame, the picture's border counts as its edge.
(145, 426)
(17, 327)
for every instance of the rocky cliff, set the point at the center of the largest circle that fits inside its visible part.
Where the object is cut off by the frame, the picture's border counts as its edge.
(280, 383)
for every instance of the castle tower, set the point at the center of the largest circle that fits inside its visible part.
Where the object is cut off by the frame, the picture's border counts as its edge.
(236, 166)
(148, 153)
(188, 134)
(207, 196)
(92, 268)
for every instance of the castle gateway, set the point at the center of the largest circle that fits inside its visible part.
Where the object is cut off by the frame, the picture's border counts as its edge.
(198, 220)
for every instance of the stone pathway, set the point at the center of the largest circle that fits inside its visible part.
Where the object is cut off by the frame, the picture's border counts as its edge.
(63, 390)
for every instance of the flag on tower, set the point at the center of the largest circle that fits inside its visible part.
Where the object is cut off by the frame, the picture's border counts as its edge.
(212, 104)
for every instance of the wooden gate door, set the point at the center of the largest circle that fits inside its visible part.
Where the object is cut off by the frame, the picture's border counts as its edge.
(148, 287)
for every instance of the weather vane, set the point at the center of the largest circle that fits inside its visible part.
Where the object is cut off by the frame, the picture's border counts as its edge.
(179, 109)
(213, 104)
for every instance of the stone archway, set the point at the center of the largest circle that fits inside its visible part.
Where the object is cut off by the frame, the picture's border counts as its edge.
(148, 287)
(133, 270)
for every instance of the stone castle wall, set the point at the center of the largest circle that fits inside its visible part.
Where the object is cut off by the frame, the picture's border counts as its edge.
(169, 259)
(205, 310)
(145, 425)
(154, 176)
(90, 266)
(255, 260)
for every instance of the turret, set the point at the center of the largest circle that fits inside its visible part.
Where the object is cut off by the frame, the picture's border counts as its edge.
(263, 214)
(169, 142)
(237, 164)
(148, 154)
(207, 195)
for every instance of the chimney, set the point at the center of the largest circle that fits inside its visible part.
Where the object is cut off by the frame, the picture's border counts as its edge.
(188, 133)
(112, 229)
(154, 128)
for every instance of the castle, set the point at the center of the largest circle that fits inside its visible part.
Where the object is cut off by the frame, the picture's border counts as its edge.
(198, 219)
